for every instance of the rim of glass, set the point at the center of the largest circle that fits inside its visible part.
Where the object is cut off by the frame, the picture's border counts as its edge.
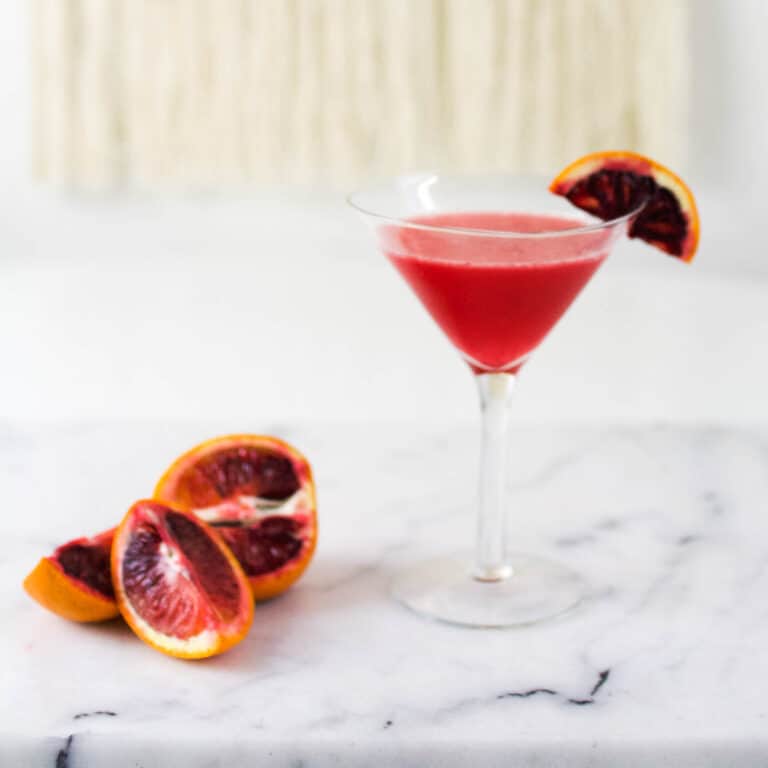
(588, 227)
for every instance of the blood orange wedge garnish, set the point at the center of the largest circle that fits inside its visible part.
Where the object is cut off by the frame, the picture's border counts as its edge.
(613, 184)
(258, 493)
(74, 581)
(177, 584)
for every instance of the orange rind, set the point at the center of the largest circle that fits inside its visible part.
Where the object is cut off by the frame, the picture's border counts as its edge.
(74, 581)
(613, 184)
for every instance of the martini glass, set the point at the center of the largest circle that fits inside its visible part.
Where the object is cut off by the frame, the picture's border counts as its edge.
(496, 264)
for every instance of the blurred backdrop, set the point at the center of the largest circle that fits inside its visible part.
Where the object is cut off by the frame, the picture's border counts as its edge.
(174, 242)
(198, 92)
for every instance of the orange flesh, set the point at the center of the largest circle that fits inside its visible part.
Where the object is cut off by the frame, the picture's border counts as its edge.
(670, 219)
(219, 481)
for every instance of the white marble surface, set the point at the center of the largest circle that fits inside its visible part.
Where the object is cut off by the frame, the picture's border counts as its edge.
(277, 306)
(669, 525)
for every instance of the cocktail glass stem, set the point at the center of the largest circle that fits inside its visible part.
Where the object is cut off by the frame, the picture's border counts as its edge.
(491, 563)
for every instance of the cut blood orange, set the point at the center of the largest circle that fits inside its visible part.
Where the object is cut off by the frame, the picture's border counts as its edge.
(177, 584)
(74, 581)
(613, 184)
(258, 493)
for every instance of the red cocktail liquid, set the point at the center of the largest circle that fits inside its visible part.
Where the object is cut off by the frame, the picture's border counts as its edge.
(495, 297)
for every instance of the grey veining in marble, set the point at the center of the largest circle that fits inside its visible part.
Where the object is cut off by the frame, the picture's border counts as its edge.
(666, 665)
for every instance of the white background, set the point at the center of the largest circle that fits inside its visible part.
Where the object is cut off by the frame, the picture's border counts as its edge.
(276, 308)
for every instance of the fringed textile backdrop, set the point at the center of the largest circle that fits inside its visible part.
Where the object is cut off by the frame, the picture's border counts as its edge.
(186, 93)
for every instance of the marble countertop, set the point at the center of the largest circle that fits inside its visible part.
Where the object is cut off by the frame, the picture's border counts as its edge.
(277, 306)
(666, 665)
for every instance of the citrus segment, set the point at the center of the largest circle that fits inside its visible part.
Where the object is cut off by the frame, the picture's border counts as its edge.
(616, 183)
(216, 576)
(234, 469)
(74, 582)
(177, 585)
(258, 493)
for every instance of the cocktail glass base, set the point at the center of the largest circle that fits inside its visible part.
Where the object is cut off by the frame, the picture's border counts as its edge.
(445, 589)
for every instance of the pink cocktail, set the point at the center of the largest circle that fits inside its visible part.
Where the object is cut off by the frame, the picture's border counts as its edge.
(496, 298)
(496, 269)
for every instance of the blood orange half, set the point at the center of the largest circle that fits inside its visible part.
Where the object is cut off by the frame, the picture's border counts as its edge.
(74, 581)
(258, 493)
(613, 184)
(177, 584)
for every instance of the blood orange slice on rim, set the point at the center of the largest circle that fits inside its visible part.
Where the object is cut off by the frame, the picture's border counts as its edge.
(613, 184)
(258, 493)
(74, 581)
(177, 584)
